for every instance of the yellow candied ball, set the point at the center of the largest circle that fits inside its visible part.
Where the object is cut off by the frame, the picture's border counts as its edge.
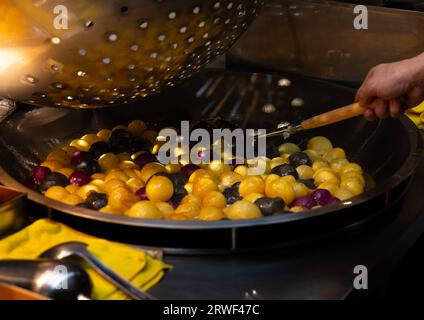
(253, 197)
(91, 138)
(192, 198)
(72, 200)
(354, 185)
(196, 175)
(72, 188)
(108, 161)
(104, 134)
(281, 188)
(203, 186)
(65, 171)
(137, 127)
(312, 154)
(289, 179)
(214, 199)
(69, 150)
(53, 165)
(230, 178)
(98, 176)
(188, 187)
(242, 209)
(84, 191)
(337, 164)
(333, 154)
(134, 184)
(159, 189)
(300, 189)
(252, 184)
(179, 217)
(190, 210)
(150, 169)
(144, 209)
(56, 193)
(173, 168)
(99, 183)
(132, 173)
(318, 164)
(127, 165)
(113, 184)
(80, 144)
(122, 197)
(116, 174)
(124, 156)
(305, 172)
(343, 194)
(320, 144)
(278, 161)
(59, 155)
(110, 210)
(217, 167)
(326, 176)
(353, 174)
(270, 178)
(330, 186)
(241, 170)
(211, 214)
(351, 167)
(165, 208)
(288, 148)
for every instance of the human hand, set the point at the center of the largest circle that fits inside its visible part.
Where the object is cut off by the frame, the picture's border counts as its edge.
(393, 87)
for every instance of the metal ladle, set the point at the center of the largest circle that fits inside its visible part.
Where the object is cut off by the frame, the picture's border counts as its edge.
(50, 278)
(79, 249)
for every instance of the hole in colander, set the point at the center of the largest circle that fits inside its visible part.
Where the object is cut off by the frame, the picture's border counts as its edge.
(55, 40)
(183, 29)
(134, 47)
(143, 24)
(172, 15)
(31, 79)
(131, 66)
(229, 5)
(201, 24)
(89, 24)
(39, 94)
(106, 60)
(82, 52)
(70, 98)
(81, 73)
(58, 85)
(216, 20)
(153, 55)
(190, 40)
(196, 10)
(124, 9)
(161, 37)
(217, 5)
(112, 37)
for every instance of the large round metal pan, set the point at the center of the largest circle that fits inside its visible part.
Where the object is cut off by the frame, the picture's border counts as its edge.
(388, 150)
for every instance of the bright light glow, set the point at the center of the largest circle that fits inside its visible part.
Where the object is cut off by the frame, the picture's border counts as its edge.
(9, 57)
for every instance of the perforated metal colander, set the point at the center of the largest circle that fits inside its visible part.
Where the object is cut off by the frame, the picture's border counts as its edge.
(113, 51)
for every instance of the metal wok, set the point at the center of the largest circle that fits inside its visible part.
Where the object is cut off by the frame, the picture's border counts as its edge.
(388, 151)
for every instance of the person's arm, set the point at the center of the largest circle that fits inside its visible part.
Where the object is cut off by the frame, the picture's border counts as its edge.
(394, 86)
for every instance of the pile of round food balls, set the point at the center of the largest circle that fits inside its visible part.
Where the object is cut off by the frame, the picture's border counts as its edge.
(116, 172)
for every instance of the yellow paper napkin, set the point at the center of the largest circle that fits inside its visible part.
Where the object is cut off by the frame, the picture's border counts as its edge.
(135, 265)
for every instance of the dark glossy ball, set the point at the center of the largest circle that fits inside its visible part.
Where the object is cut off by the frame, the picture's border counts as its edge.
(309, 183)
(99, 148)
(120, 141)
(270, 206)
(299, 158)
(144, 159)
(285, 170)
(39, 173)
(232, 194)
(89, 167)
(53, 179)
(79, 178)
(80, 156)
(97, 200)
(137, 145)
(85, 205)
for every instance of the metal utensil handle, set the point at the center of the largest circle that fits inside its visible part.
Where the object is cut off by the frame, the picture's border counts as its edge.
(343, 113)
(117, 280)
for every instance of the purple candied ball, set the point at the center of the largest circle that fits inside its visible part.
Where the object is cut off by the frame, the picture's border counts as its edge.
(79, 178)
(188, 169)
(79, 157)
(321, 196)
(144, 159)
(142, 193)
(39, 173)
(331, 201)
(306, 202)
(173, 203)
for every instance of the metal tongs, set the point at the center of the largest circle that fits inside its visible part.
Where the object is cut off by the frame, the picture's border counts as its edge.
(286, 129)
